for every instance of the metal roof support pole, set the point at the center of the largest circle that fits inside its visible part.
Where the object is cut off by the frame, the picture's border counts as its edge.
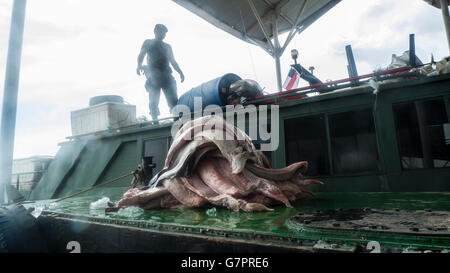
(275, 31)
(277, 52)
(445, 16)
(9, 110)
(294, 28)
(261, 23)
(263, 18)
(278, 7)
(278, 67)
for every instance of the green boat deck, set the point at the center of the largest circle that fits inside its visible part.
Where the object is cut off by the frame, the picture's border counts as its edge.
(272, 227)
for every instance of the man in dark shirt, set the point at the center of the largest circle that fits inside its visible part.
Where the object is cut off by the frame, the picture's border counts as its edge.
(158, 72)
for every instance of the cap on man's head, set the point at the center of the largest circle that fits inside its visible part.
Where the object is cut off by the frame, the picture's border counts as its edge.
(161, 27)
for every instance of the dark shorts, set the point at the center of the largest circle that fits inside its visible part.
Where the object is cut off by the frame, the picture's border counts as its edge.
(154, 86)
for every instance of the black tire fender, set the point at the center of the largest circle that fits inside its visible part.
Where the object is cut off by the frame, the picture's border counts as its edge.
(19, 232)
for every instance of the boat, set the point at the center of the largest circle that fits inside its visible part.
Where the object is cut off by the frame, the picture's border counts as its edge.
(380, 143)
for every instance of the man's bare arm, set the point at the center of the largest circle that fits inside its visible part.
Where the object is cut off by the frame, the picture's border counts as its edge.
(175, 64)
(140, 59)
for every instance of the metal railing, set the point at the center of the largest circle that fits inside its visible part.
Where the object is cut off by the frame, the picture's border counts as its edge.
(18, 175)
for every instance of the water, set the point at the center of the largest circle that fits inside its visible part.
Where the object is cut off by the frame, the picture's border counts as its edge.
(100, 204)
(130, 212)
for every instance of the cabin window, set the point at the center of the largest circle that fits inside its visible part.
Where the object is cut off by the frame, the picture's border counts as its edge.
(155, 152)
(305, 140)
(423, 134)
(353, 142)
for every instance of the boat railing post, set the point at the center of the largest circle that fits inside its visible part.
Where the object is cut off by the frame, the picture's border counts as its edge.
(351, 67)
(412, 51)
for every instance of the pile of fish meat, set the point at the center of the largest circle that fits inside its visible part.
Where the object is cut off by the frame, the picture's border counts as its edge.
(212, 163)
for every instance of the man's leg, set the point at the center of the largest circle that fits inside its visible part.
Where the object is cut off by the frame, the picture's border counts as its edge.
(170, 91)
(153, 97)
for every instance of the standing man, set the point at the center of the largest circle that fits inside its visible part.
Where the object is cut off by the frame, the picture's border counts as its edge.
(158, 72)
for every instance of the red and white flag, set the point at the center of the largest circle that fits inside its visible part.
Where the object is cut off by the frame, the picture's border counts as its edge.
(292, 80)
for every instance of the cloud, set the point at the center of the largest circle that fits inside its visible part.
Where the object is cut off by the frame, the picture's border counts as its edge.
(382, 28)
(39, 32)
(43, 143)
(374, 11)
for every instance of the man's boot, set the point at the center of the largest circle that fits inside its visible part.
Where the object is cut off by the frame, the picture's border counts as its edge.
(155, 119)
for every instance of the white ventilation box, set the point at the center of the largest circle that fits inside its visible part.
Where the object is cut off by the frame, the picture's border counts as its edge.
(103, 116)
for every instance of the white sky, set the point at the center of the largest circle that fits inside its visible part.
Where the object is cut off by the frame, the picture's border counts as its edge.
(74, 50)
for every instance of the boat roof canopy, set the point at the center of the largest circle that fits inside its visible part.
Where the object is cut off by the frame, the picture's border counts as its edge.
(435, 3)
(260, 21)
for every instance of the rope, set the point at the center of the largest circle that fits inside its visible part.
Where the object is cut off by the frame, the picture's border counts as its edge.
(91, 188)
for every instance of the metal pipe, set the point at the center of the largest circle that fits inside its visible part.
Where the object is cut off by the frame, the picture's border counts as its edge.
(278, 6)
(327, 89)
(446, 18)
(9, 109)
(352, 71)
(392, 71)
(277, 54)
(261, 23)
(275, 31)
(299, 95)
(294, 28)
(273, 10)
(278, 68)
(412, 50)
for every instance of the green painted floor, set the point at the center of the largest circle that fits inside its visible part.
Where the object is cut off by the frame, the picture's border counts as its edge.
(275, 222)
